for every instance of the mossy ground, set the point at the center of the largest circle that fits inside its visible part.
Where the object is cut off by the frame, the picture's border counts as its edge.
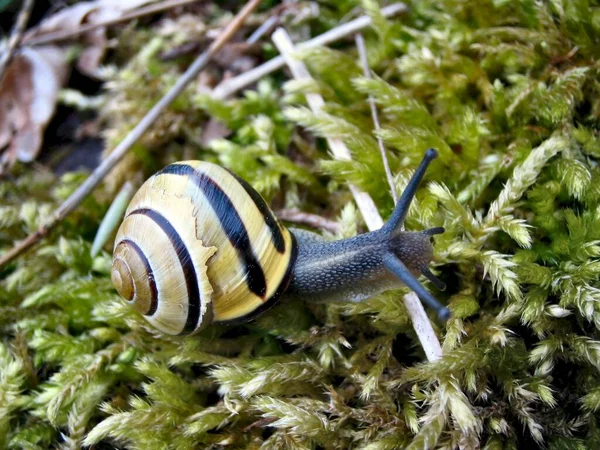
(509, 94)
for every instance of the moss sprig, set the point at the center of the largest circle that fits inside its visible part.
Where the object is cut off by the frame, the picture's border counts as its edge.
(507, 92)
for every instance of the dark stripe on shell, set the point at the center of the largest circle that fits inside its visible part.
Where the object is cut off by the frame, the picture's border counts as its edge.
(149, 275)
(277, 295)
(270, 221)
(230, 220)
(187, 265)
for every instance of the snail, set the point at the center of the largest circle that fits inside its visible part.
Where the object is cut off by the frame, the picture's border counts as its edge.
(199, 245)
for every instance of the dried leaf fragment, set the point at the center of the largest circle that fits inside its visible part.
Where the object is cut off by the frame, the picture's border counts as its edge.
(28, 95)
(30, 88)
(71, 19)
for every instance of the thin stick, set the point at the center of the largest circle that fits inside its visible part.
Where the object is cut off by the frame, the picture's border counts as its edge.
(64, 35)
(313, 220)
(365, 203)
(267, 26)
(362, 52)
(233, 85)
(15, 36)
(120, 150)
(414, 306)
(422, 325)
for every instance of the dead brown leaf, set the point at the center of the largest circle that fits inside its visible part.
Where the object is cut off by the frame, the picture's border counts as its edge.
(82, 14)
(214, 129)
(29, 90)
(238, 57)
(28, 96)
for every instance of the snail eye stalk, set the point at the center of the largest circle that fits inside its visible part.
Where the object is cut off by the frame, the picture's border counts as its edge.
(433, 231)
(401, 210)
(397, 267)
(435, 280)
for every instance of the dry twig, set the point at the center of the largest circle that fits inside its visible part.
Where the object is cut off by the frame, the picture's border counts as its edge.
(414, 306)
(265, 28)
(141, 12)
(338, 148)
(15, 36)
(314, 220)
(362, 51)
(120, 150)
(420, 321)
(233, 85)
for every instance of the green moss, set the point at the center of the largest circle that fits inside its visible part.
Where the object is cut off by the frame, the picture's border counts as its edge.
(507, 91)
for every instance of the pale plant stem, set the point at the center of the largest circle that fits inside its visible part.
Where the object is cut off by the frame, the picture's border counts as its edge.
(121, 150)
(112, 217)
(422, 325)
(366, 205)
(233, 85)
(16, 36)
(362, 51)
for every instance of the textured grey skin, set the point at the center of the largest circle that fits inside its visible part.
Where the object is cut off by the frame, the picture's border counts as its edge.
(363, 266)
(352, 269)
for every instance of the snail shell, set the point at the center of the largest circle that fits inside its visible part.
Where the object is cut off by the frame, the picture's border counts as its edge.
(197, 245)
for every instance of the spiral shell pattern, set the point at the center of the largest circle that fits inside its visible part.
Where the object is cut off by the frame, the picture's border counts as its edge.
(198, 245)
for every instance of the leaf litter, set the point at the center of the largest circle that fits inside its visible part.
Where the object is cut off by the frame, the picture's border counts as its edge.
(29, 91)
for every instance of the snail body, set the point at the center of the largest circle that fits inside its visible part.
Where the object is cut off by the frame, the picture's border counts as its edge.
(359, 271)
(199, 245)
